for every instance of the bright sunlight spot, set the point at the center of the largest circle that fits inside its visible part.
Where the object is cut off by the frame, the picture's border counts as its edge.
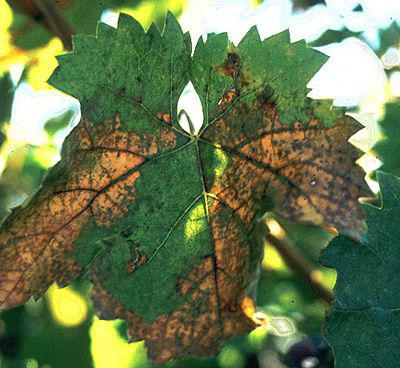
(272, 259)
(352, 71)
(32, 363)
(281, 326)
(222, 161)
(274, 228)
(68, 308)
(110, 350)
(196, 221)
(231, 358)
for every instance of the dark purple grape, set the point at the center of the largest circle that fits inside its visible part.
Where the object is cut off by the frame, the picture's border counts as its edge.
(308, 353)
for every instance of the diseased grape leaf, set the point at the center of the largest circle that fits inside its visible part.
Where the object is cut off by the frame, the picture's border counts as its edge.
(387, 149)
(363, 327)
(164, 223)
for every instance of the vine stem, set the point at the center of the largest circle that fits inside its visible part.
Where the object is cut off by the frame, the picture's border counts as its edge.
(43, 11)
(56, 24)
(300, 266)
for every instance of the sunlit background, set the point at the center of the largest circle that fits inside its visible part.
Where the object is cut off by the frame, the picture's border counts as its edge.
(363, 74)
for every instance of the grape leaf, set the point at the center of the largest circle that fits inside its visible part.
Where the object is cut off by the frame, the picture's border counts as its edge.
(387, 149)
(165, 223)
(363, 327)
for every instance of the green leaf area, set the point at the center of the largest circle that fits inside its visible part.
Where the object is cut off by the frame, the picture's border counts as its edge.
(363, 327)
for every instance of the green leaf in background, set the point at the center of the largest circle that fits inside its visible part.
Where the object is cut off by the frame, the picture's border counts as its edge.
(363, 327)
(388, 37)
(59, 122)
(387, 149)
(7, 90)
(27, 165)
(332, 36)
(305, 4)
(45, 333)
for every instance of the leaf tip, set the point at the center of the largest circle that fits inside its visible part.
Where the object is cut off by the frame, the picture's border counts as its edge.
(128, 23)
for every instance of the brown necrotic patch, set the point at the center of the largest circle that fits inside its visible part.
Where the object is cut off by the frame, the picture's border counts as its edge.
(306, 172)
(165, 117)
(232, 64)
(138, 259)
(95, 181)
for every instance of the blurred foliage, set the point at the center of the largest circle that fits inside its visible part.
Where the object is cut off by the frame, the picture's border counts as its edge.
(388, 37)
(27, 31)
(298, 4)
(153, 11)
(331, 36)
(59, 330)
(7, 91)
(33, 334)
(25, 165)
(305, 4)
(310, 240)
(387, 149)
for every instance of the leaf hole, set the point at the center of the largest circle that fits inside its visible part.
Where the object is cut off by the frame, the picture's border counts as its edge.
(190, 111)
